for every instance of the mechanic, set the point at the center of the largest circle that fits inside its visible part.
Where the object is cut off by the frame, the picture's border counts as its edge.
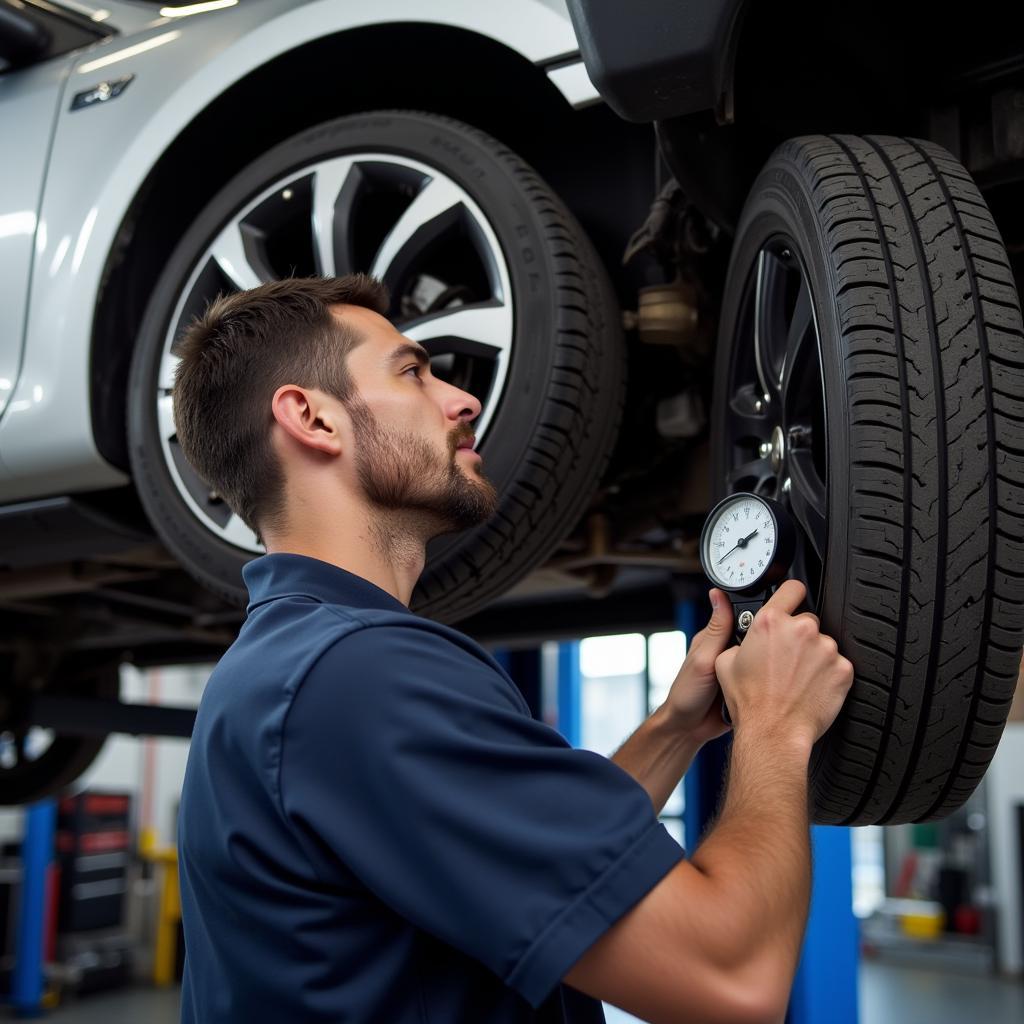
(372, 826)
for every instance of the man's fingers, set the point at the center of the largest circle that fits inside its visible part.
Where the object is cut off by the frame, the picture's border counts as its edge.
(721, 613)
(723, 663)
(814, 618)
(716, 635)
(788, 597)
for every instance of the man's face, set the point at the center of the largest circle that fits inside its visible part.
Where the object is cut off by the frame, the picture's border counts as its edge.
(412, 431)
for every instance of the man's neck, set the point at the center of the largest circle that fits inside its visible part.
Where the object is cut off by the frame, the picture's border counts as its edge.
(380, 549)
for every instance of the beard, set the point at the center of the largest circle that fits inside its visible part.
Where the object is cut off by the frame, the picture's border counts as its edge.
(404, 473)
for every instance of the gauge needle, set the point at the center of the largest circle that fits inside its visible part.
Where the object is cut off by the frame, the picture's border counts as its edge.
(741, 543)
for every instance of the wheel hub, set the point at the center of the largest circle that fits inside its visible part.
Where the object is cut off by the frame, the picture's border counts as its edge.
(774, 450)
(778, 449)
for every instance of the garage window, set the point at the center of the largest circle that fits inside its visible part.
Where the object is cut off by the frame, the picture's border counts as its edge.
(623, 679)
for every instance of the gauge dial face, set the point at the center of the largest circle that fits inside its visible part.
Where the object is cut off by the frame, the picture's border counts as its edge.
(740, 542)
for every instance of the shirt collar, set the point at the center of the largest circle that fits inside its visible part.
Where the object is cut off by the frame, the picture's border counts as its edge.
(282, 574)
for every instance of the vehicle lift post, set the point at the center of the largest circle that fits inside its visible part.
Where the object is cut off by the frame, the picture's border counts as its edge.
(36, 854)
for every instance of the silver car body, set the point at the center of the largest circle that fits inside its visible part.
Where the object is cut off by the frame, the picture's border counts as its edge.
(63, 199)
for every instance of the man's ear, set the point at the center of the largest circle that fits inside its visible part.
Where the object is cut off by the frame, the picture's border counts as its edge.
(308, 417)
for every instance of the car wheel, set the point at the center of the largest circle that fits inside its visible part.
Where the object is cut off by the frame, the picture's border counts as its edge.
(487, 269)
(38, 762)
(870, 375)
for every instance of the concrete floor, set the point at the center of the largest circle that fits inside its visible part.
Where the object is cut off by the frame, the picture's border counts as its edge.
(123, 1006)
(914, 995)
(907, 995)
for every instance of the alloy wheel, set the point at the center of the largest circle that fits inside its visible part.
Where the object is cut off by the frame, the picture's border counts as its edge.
(776, 429)
(399, 220)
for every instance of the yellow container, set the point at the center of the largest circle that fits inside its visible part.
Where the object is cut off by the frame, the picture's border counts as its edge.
(924, 924)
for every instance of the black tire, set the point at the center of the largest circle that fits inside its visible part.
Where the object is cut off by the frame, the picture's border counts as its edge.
(25, 779)
(551, 434)
(922, 372)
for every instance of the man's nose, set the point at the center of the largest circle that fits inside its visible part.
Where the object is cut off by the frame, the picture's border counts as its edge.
(461, 405)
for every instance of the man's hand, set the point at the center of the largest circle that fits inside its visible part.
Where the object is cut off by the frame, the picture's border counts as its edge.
(788, 677)
(695, 700)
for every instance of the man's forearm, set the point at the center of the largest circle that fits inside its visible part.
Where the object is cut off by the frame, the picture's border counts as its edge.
(657, 756)
(758, 854)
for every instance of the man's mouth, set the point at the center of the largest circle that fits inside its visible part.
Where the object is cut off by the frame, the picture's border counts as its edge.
(466, 442)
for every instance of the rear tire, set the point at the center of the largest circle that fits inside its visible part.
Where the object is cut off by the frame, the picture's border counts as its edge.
(551, 423)
(28, 774)
(921, 366)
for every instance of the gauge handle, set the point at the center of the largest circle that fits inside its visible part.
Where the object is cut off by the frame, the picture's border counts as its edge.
(744, 608)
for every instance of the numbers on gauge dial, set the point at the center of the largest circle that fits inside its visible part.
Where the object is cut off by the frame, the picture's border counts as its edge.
(741, 543)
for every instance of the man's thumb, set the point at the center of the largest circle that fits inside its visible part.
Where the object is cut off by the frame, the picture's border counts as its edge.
(721, 613)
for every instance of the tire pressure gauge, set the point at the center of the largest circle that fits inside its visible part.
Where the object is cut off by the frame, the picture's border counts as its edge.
(746, 547)
(747, 544)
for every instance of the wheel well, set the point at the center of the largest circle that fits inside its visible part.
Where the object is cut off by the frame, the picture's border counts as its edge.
(585, 155)
(825, 68)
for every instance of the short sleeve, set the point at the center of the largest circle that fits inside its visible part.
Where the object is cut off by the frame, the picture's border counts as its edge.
(408, 760)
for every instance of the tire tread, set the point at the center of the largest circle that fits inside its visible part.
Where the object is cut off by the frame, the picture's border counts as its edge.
(931, 339)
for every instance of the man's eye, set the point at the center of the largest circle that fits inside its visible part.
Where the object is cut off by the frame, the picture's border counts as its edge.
(414, 369)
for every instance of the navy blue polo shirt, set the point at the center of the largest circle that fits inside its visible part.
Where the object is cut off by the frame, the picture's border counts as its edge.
(374, 829)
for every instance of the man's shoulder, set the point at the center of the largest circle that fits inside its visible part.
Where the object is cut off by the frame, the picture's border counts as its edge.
(348, 654)
(382, 655)
(391, 640)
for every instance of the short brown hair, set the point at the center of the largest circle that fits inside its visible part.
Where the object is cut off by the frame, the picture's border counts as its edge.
(236, 355)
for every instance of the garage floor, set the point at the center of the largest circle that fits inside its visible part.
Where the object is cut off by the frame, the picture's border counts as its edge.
(909, 995)
(141, 1005)
(913, 995)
